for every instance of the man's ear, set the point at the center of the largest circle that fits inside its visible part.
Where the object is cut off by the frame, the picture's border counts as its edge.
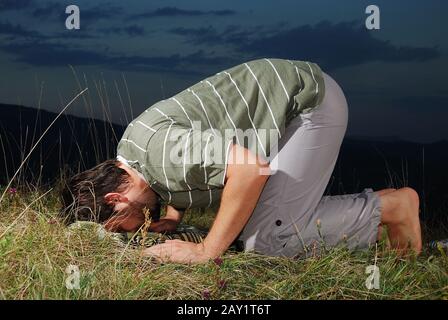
(113, 198)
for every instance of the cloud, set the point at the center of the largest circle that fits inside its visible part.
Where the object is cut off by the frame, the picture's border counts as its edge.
(103, 11)
(49, 9)
(17, 30)
(176, 12)
(234, 35)
(70, 35)
(202, 35)
(44, 54)
(334, 46)
(90, 15)
(14, 4)
(330, 45)
(132, 30)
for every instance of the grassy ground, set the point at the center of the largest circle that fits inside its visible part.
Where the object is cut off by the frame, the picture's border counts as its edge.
(35, 251)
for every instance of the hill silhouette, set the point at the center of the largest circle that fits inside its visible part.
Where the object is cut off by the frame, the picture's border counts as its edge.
(73, 142)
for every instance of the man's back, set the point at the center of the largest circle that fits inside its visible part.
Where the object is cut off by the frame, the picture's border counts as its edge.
(253, 101)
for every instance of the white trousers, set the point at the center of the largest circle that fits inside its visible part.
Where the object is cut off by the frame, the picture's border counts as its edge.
(292, 217)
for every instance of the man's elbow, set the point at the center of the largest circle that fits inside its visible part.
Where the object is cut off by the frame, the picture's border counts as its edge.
(264, 171)
(257, 172)
(248, 166)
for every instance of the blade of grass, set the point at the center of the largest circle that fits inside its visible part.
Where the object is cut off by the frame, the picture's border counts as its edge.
(38, 141)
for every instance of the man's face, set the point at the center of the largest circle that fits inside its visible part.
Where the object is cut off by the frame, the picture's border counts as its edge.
(126, 220)
(130, 204)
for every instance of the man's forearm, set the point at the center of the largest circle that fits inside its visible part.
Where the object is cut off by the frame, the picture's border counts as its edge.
(239, 198)
(245, 178)
(174, 214)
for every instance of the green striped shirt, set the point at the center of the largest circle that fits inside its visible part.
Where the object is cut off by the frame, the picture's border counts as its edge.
(180, 145)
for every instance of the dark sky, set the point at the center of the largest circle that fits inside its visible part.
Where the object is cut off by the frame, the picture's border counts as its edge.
(394, 78)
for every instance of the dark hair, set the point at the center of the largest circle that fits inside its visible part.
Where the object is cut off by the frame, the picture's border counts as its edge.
(82, 196)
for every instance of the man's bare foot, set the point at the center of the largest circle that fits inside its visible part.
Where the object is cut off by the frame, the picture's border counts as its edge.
(381, 230)
(401, 215)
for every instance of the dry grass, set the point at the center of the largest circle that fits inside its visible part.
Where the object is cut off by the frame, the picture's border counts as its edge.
(36, 249)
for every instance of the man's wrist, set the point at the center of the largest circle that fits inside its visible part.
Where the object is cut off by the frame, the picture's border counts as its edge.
(209, 251)
(174, 214)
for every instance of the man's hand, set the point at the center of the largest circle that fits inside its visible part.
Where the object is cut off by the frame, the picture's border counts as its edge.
(168, 223)
(163, 225)
(178, 251)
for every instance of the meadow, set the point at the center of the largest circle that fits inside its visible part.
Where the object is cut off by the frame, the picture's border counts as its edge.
(36, 249)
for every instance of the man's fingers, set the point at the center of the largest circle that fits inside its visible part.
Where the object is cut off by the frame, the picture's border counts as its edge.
(176, 250)
(174, 241)
(160, 249)
(161, 254)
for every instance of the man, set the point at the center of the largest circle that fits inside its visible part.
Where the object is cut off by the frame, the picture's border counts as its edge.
(261, 140)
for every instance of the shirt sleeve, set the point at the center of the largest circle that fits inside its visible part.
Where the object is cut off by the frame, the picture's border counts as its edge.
(183, 158)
